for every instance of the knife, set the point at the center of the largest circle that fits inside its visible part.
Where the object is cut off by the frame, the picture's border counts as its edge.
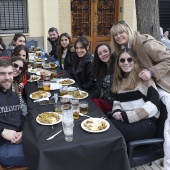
(54, 135)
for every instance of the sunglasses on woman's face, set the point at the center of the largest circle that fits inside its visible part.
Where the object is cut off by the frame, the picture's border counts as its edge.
(129, 60)
(17, 66)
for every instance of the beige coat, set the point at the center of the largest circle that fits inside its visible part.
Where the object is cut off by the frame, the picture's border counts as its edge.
(153, 55)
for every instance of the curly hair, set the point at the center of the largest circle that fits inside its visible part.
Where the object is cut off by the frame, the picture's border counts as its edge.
(132, 78)
(100, 68)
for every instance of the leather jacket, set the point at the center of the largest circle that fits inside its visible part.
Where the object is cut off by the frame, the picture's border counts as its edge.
(83, 74)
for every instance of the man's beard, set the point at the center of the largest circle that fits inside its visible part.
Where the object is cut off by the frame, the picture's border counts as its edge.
(3, 87)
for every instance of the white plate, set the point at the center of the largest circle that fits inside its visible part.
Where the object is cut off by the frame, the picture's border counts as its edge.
(71, 88)
(55, 86)
(34, 70)
(59, 81)
(49, 94)
(97, 120)
(47, 72)
(54, 123)
(80, 97)
(30, 80)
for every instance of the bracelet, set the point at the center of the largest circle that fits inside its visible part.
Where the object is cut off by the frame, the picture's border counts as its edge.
(151, 73)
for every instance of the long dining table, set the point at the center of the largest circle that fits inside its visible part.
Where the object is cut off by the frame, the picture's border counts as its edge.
(87, 151)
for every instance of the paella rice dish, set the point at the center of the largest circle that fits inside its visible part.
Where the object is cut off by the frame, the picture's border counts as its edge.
(49, 117)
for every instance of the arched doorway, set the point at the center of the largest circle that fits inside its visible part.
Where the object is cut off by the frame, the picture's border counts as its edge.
(93, 19)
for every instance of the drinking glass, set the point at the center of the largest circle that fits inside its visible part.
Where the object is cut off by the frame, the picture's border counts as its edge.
(83, 107)
(76, 111)
(46, 85)
(40, 85)
(67, 123)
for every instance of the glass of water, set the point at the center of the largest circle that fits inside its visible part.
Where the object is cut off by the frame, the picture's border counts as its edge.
(67, 123)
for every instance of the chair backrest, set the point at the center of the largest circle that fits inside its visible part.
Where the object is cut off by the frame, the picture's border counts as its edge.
(161, 121)
(30, 43)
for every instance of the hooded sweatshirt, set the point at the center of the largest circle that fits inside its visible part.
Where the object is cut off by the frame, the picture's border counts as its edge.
(10, 112)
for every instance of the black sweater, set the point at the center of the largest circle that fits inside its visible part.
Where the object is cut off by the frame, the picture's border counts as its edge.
(10, 113)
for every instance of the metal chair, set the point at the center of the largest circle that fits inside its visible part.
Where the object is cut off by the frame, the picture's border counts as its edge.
(148, 150)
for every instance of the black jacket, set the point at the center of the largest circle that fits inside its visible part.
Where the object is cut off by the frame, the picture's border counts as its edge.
(103, 88)
(54, 45)
(10, 112)
(83, 73)
(68, 61)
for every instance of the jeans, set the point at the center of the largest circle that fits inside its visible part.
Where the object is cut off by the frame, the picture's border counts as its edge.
(12, 155)
(55, 60)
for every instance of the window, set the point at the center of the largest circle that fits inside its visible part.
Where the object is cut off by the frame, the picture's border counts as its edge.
(13, 16)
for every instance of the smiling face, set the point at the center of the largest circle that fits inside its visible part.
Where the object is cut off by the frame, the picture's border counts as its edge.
(80, 50)
(19, 41)
(126, 62)
(17, 67)
(22, 54)
(104, 54)
(64, 41)
(53, 35)
(6, 77)
(121, 38)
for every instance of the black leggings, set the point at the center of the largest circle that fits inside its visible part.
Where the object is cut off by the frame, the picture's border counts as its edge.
(143, 129)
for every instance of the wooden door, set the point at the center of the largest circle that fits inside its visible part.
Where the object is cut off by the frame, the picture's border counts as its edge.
(93, 20)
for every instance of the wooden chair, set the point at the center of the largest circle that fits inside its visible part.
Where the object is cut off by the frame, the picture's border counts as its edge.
(13, 168)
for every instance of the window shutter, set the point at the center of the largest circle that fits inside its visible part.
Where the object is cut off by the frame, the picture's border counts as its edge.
(13, 16)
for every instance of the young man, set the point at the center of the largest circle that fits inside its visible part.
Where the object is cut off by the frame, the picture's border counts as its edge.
(11, 152)
(53, 39)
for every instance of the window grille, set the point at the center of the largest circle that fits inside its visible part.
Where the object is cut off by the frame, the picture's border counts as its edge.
(13, 16)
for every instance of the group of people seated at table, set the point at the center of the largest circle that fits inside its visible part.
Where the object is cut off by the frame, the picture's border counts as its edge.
(126, 79)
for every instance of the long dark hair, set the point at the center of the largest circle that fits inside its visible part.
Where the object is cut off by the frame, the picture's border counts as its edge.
(16, 36)
(18, 49)
(85, 44)
(60, 48)
(20, 77)
(100, 68)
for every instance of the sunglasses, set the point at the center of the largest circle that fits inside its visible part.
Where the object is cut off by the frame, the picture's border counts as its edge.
(129, 60)
(17, 66)
(120, 22)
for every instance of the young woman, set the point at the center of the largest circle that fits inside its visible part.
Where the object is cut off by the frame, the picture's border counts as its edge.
(155, 58)
(82, 65)
(18, 39)
(22, 51)
(136, 105)
(18, 73)
(65, 52)
(103, 68)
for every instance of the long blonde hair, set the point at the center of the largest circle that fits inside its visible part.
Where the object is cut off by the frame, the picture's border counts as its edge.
(132, 78)
(121, 26)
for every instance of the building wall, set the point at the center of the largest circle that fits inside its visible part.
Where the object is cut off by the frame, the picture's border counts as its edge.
(43, 14)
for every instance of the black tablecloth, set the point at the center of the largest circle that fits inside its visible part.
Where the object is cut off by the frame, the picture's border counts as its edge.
(87, 151)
